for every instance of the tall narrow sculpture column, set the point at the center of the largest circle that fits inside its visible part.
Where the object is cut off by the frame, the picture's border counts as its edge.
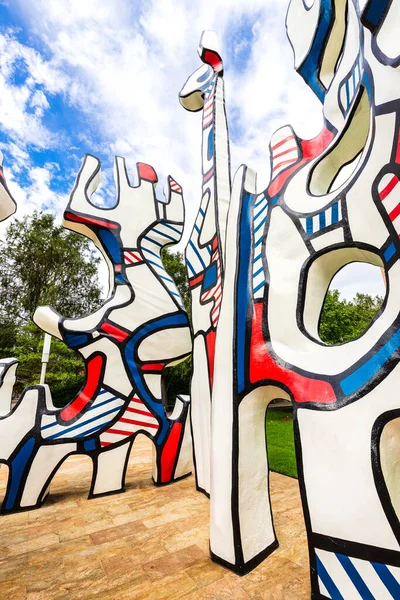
(204, 90)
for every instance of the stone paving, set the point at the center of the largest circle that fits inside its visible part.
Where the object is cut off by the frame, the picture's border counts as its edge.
(147, 543)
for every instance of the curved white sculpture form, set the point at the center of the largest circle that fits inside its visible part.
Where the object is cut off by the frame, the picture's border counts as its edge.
(8, 372)
(7, 202)
(331, 200)
(204, 91)
(126, 344)
(8, 366)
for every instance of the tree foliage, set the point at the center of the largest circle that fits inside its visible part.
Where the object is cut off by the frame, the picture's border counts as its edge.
(65, 371)
(174, 264)
(42, 263)
(177, 379)
(344, 320)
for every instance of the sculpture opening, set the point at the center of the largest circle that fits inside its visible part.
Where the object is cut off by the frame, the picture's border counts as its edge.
(3, 488)
(327, 272)
(350, 307)
(65, 474)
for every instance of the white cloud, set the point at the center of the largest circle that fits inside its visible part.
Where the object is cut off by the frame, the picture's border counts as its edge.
(23, 105)
(123, 63)
(359, 278)
(127, 76)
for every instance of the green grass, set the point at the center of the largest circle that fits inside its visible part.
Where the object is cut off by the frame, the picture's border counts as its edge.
(280, 440)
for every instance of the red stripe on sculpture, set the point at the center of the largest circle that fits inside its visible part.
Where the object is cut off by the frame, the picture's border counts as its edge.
(170, 452)
(85, 396)
(153, 367)
(90, 220)
(114, 331)
(147, 172)
(389, 187)
(263, 366)
(212, 58)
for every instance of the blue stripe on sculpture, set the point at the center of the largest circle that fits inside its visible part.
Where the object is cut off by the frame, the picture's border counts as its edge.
(262, 199)
(328, 581)
(74, 339)
(310, 68)
(335, 213)
(178, 231)
(210, 145)
(388, 579)
(17, 469)
(258, 272)
(369, 369)
(152, 241)
(173, 239)
(259, 213)
(197, 254)
(242, 291)
(79, 425)
(111, 244)
(170, 321)
(389, 252)
(189, 264)
(260, 285)
(355, 577)
(89, 444)
(93, 407)
(375, 11)
(152, 253)
(259, 226)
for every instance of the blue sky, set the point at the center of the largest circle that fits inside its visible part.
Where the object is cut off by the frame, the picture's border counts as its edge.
(103, 77)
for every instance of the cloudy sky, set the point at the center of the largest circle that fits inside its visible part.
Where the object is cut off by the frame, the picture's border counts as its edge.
(103, 77)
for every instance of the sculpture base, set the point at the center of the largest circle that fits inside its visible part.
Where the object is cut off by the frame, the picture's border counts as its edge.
(245, 567)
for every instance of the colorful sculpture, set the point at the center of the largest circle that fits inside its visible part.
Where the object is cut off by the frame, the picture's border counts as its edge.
(8, 371)
(204, 90)
(258, 278)
(7, 202)
(126, 344)
(8, 366)
(332, 200)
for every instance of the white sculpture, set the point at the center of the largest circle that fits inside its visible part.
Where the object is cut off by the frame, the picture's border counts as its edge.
(204, 90)
(126, 344)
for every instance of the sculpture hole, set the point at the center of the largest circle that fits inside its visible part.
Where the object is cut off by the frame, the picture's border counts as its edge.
(135, 479)
(72, 478)
(280, 438)
(389, 452)
(354, 298)
(4, 473)
(342, 159)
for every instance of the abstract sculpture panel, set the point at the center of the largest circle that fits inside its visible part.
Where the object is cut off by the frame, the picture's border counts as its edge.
(204, 90)
(331, 201)
(8, 366)
(126, 344)
(258, 277)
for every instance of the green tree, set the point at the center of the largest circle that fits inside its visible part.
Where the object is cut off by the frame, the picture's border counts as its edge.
(65, 372)
(42, 263)
(177, 379)
(174, 263)
(344, 320)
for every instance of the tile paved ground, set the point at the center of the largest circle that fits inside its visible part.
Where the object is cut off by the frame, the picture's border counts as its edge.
(147, 543)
